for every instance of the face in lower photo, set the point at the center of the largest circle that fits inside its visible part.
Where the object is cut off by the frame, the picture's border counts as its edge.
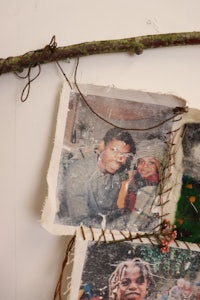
(130, 281)
(138, 271)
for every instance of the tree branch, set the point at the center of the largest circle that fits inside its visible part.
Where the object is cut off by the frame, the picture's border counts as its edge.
(134, 45)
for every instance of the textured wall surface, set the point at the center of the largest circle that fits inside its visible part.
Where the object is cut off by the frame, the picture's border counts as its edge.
(31, 257)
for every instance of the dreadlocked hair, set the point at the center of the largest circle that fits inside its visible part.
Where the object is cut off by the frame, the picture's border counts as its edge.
(118, 274)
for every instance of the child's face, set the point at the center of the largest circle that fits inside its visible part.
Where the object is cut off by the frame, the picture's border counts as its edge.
(133, 285)
(181, 283)
(147, 166)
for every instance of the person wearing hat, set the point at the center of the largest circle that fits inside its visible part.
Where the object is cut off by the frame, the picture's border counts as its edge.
(144, 173)
(138, 191)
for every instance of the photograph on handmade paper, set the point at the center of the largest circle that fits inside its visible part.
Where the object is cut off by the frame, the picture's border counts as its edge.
(187, 217)
(110, 155)
(135, 271)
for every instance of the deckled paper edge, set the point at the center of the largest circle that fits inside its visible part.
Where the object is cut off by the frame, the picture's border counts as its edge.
(80, 256)
(50, 204)
(192, 116)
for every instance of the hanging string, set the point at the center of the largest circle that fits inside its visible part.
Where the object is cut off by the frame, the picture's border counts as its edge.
(50, 48)
(176, 111)
(52, 45)
(58, 288)
(64, 74)
(26, 89)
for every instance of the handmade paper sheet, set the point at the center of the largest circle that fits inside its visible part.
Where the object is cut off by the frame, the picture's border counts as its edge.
(111, 159)
(138, 269)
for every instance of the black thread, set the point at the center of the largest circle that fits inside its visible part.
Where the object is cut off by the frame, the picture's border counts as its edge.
(130, 237)
(123, 235)
(65, 76)
(28, 85)
(164, 215)
(177, 244)
(186, 244)
(169, 166)
(113, 237)
(176, 111)
(162, 204)
(58, 288)
(91, 230)
(139, 237)
(183, 132)
(102, 234)
(51, 47)
(164, 192)
(173, 131)
(148, 237)
(166, 177)
(157, 226)
(82, 231)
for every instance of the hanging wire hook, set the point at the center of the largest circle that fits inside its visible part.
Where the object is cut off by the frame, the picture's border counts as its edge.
(27, 87)
(175, 112)
(26, 90)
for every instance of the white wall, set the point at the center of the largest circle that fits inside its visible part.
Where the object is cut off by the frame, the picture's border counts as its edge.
(30, 257)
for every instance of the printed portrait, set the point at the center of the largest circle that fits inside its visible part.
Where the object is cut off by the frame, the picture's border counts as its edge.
(110, 158)
(138, 271)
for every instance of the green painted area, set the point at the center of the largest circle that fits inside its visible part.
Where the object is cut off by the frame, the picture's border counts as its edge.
(187, 218)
